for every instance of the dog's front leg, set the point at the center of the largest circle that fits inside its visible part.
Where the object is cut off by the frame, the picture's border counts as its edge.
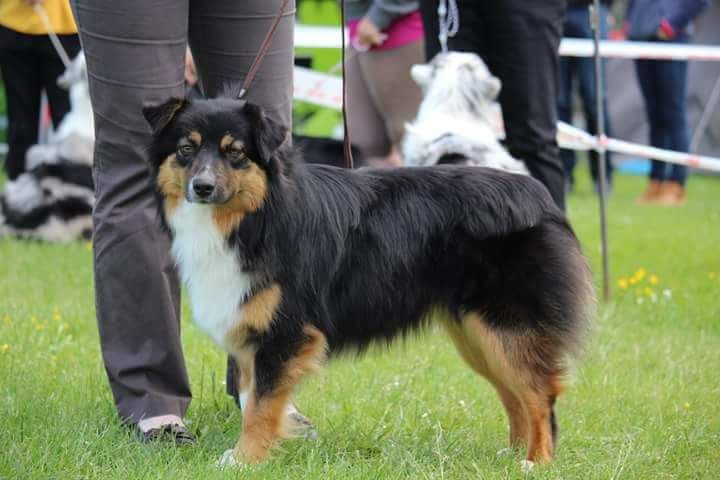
(265, 419)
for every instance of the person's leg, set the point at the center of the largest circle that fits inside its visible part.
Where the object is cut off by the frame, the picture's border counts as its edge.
(18, 65)
(134, 51)
(225, 37)
(565, 115)
(52, 68)
(394, 93)
(672, 91)
(366, 125)
(674, 113)
(646, 71)
(521, 48)
(567, 67)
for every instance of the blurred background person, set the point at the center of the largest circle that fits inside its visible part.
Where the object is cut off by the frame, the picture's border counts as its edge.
(29, 65)
(519, 41)
(664, 87)
(582, 70)
(386, 39)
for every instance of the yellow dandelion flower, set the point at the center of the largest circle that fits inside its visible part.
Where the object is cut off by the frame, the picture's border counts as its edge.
(712, 276)
(57, 317)
(33, 319)
(633, 280)
(641, 273)
(40, 327)
(654, 280)
(687, 405)
(5, 348)
(88, 246)
(65, 326)
(623, 283)
(7, 320)
(648, 291)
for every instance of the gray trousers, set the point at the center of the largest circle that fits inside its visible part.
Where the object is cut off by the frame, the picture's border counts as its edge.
(135, 52)
(381, 96)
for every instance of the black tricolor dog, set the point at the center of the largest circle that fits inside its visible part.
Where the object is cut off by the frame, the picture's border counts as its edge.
(287, 262)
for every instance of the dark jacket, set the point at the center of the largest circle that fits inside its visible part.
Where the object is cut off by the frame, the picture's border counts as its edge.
(645, 17)
(586, 3)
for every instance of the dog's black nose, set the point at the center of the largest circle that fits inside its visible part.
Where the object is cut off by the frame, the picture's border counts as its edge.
(203, 187)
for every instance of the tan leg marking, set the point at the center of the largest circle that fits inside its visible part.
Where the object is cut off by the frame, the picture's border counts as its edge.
(475, 358)
(525, 379)
(264, 420)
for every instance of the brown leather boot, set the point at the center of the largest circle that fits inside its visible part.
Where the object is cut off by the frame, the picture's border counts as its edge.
(672, 194)
(651, 193)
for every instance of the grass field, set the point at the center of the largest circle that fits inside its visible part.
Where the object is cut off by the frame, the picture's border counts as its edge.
(642, 404)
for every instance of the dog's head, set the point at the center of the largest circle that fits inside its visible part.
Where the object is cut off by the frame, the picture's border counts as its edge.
(218, 152)
(457, 75)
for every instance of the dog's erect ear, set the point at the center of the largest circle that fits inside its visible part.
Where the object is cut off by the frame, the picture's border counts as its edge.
(421, 73)
(267, 133)
(159, 116)
(491, 87)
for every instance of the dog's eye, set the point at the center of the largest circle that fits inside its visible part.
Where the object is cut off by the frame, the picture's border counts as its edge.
(237, 158)
(186, 149)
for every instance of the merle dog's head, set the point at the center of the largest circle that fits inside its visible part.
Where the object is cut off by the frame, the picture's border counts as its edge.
(457, 77)
(218, 152)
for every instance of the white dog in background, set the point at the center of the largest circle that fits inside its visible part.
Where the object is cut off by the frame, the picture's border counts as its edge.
(53, 199)
(454, 121)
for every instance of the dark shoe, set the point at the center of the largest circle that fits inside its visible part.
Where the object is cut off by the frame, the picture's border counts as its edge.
(176, 433)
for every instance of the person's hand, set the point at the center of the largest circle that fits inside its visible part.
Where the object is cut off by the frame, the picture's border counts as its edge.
(662, 35)
(369, 34)
(190, 73)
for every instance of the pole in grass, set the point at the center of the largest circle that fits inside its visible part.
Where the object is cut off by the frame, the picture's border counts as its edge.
(602, 140)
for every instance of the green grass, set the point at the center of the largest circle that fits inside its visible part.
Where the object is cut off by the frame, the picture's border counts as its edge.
(643, 403)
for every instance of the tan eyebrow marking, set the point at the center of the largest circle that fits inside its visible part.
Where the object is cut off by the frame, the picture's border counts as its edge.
(195, 137)
(226, 141)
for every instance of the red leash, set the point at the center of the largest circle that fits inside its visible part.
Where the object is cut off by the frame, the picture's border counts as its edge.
(265, 45)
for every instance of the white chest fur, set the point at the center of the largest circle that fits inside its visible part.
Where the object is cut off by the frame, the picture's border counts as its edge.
(210, 270)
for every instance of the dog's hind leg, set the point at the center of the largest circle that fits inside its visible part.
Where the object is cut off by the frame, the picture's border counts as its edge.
(517, 364)
(264, 420)
(472, 353)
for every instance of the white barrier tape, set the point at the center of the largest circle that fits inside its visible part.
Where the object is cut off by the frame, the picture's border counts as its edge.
(322, 89)
(317, 88)
(308, 36)
(577, 47)
(577, 139)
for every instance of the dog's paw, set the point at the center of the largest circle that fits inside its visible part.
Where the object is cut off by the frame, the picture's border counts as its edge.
(526, 466)
(228, 460)
(301, 426)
